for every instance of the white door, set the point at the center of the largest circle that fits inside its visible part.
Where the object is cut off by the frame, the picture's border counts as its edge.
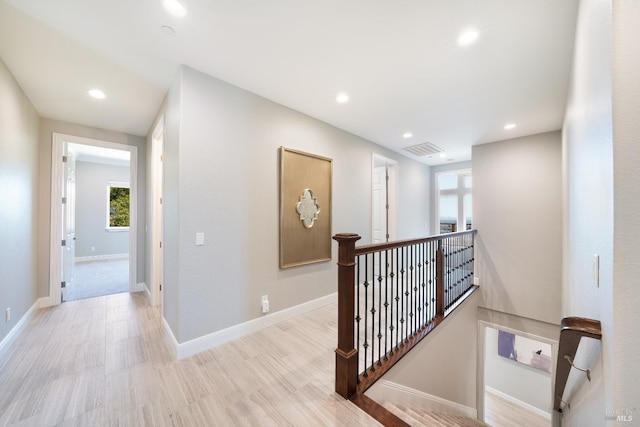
(379, 206)
(157, 190)
(69, 220)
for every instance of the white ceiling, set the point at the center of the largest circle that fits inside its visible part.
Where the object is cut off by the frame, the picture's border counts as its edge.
(397, 59)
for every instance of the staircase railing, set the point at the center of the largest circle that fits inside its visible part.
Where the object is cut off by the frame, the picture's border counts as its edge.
(572, 330)
(390, 296)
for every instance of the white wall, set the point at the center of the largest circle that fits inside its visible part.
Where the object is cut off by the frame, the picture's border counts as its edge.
(626, 232)
(443, 364)
(221, 178)
(588, 202)
(92, 180)
(517, 209)
(524, 383)
(19, 201)
(47, 128)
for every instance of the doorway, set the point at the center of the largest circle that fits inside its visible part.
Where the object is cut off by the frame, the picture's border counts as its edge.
(383, 199)
(157, 185)
(93, 218)
(515, 376)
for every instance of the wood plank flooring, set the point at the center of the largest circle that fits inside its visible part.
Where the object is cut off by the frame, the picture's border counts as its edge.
(105, 362)
(501, 413)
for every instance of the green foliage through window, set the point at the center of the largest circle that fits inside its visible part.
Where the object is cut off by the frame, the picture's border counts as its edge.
(118, 207)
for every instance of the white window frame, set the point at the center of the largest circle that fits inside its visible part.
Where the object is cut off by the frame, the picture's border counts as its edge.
(460, 192)
(116, 184)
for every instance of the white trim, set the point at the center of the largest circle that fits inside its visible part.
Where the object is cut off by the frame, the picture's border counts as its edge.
(520, 403)
(481, 362)
(55, 267)
(392, 192)
(207, 342)
(107, 257)
(388, 391)
(146, 291)
(15, 332)
(139, 287)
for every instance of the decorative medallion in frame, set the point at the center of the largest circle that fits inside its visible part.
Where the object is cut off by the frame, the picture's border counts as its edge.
(305, 208)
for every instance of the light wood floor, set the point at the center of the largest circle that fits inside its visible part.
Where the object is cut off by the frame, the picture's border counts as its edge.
(104, 361)
(501, 413)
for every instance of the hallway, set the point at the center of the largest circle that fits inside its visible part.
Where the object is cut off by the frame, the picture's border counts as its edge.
(105, 361)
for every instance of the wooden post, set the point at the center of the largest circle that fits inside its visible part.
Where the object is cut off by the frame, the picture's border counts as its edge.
(440, 280)
(346, 354)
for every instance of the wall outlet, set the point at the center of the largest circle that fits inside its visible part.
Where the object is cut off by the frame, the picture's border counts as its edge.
(93, 248)
(7, 316)
(476, 281)
(265, 304)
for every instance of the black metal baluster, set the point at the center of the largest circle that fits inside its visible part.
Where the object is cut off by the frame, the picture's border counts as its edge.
(373, 313)
(365, 346)
(410, 292)
(402, 329)
(358, 315)
(397, 299)
(386, 304)
(380, 279)
(392, 327)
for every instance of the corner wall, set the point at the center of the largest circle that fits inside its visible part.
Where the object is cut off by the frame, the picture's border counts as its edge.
(221, 176)
(19, 123)
(517, 209)
(588, 204)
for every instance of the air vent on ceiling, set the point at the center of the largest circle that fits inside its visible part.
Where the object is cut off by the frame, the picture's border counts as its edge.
(425, 149)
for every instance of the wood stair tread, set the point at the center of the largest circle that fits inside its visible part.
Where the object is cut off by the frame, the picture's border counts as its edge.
(422, 417)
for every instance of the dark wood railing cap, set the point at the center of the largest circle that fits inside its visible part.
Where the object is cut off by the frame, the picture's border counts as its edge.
(346, 236)
(586, 327)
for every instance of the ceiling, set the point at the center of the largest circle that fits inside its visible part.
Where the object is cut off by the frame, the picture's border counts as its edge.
(397, 59)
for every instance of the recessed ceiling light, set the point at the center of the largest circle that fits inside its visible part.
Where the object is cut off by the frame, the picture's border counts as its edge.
(468, 37)
(174, 7)
(407, 135)
(168, 30)
(342, 98)
(443, 154)
(509, 126)
(97, 94)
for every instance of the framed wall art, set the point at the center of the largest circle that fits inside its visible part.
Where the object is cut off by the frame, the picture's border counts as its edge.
(525, 350)
(305, 208)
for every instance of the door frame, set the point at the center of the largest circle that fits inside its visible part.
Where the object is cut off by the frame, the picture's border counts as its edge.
(57, 177)
(157, 188)
(392, 190)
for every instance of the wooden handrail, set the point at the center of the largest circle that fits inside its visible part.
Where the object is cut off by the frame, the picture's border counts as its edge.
(572, 329)
(348, 380)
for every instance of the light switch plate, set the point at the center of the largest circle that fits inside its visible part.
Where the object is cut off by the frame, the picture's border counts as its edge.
(199, 239)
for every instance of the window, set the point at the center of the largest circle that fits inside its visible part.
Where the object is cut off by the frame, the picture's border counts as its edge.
(118, 206)
(454, 201)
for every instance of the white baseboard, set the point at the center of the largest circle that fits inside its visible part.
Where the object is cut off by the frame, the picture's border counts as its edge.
(388, 391)
(101, 257)
(520, 403)
(15, 332)
(206, 342)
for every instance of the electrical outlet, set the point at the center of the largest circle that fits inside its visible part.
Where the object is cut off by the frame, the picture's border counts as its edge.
(7, 315)
(476, 281)
(93, 248)
(265, 303)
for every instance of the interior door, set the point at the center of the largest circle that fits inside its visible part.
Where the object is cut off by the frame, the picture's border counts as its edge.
(379, 207)
(69, 222)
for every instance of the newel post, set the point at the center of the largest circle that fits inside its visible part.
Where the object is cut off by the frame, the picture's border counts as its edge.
(346, 354)
(440, 280)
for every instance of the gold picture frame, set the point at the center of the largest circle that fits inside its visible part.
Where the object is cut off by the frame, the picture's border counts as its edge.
(305, 208)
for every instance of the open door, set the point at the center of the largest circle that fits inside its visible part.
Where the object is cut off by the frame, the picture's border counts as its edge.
(69, 221)
(157, 231)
